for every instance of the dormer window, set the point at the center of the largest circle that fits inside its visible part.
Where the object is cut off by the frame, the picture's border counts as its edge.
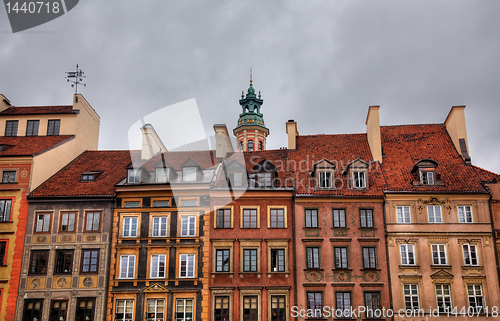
(235, 179)
(323, 174)
(162, 175)
(264, 174)
(88, 177)
(358, 179)
(424, 173)
(264, 179)
(134, 176)
(357, 174)
(325, 179)
(427, 177)
(189, 174)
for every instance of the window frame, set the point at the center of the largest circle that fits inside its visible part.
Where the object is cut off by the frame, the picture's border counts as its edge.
(435, 214)
(222, 245)
(341, 257)
(37, 216)
(316, 295)
(155, 307)
(57, 264)
(427, 177)
(10, 131)
(264, 179)
(250, 145)
(134, 176)
(3, 256)
(346, 310)
(158, 265)
(270, 220)
(250, 260)
(124, 219)
(469, 254)
(55, 124)
(82, 263)
(86, 217)
(375, 257)
(311, 263)
(225, 312)
(59, 315)
(407, 254)
(224, 263)
(464, 212)
(81, 316)
(129, 268)
(46, 265)
(190, 231)
(250, 245)
(439, 254)
(186, 175)
(475, 296)
(254, 315)
(165, 177)
(218, 220)
(186, 270)
(411, 295)
(5, 217)
(40, 310)
(161, 217)
(314, 218)
(75, 221)
(339, 218)
(193, 306)
(359, 179)
(371, 306)
(31, 132)
(126, 304)
(403, 214)
(444, 308)
(366, 217)
(11, 176)
(257, 217)
(325, 179)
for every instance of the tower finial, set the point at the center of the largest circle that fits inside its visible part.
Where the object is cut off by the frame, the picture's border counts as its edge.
(250, 74)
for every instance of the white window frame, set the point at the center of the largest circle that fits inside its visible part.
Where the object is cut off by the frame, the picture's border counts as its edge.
(439, 253)
(184, 305)
(125, 261)
(190, 260)
(361, 179)
(434, 214)
(468, 253)
(134, 176)
(325, 179)
(405, 250)
(162, 220)
(189, 174)
(443, 300)
(43, 223)
(403, 216)
(187, 220)
(475, 296)
(427, 177)
(162, 175)
(464, 213)
(155, 266)
(412, 288)
(129, 232)
(154, 304)
(126, 304)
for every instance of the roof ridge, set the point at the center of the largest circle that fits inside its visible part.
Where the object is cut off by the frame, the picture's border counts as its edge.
(34, 106)
(409, 125)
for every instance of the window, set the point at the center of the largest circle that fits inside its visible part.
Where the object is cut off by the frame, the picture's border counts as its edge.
(250, 308)
(264, 179)
(358, 179)
(221, 311)
(156, 310)
(407, 254)
(278, 308)
(11, 127)
(5, 206)
(315, 303)
(366, 218)
(188, 225)
(162, 175)
(235, 179)
(427, 177)
(32, 127)
(341, 257)
(67, 223)
(250, 145)
(158, 263)
(465, 214)
(277, 260)
(313, 257)
(92, 221)
(438, 254)
(470, 255)
(184, 309)
(53, 127)
(250, 218)
(411, 296)
(260, 146)
(160, 226)
(186, 262)
(64, 262)
(277, 218)
(476, 299)
(131, 204)
(312, 218)
(343, 303)
(223, 260)
(88, 177)
(38, 264)
(250, 260)
(9, 177)
(369, 257)
(189, 174)
(85, 310)
(189, 202)
(33, 309)
(325, 180)
(241, 146)
(43, 223)
(224, 218)
(372, 302)
(90, 261)
(339, 218)
(129, 226)
(434, 214)
(134, 176)
(127, 266)
(59, 310)
(124, 310)
(161, 203)
(3, 250)
(403, 213)
(443, 298)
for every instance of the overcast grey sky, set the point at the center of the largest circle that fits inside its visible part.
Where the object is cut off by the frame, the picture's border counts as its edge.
(321, 63)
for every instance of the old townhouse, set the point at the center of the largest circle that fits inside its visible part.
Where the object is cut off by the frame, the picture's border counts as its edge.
(66, 253)
(439, 231)
(159, 245)
(35, 142)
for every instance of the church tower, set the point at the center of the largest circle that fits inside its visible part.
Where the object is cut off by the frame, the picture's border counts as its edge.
(251, 132)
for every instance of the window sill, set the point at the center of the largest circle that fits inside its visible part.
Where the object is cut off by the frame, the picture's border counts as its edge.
(367, 228)
(342, 269)
(340, 228)
(310, 269)
(437, 266)
(6, 222)
(408, 266)
(468, 267)
(370, 269)
(223, 273)
(9, 183)
(312, 228)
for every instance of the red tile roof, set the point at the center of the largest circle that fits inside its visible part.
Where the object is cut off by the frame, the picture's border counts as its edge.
(67, 182)
(30, 145)
(404, 145)
(485, 175)
(204, 158)
(12, 110)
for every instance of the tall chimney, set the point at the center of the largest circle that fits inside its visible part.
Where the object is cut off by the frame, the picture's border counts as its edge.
(291, 130)
(373, 133)
(222, 141)
(455, 125)
(4, 103)
(151, 142)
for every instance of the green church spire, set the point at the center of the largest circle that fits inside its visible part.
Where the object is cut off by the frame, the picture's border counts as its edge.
(251, 105)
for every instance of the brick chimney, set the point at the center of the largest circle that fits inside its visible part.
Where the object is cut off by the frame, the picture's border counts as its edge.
(222, 141)
(151, 142)
(291, 130)
(455, 125)
(373, 133)
(4, 103)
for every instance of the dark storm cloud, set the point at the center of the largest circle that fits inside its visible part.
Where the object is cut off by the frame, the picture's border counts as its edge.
(321, 63)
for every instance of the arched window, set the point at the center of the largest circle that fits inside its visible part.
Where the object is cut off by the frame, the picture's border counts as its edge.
(260, 145)
(250, 145)
(241, 146)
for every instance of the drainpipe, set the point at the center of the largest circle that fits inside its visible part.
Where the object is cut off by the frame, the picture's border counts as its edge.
(387, 259)
(494, 237)
(294, 239)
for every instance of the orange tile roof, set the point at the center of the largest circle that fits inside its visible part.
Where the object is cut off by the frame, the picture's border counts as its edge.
(34, 110)
(30, 145)
(404, 145)
(67, 182)
(204, 158)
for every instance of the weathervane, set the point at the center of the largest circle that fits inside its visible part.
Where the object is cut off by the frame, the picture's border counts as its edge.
(75, 78)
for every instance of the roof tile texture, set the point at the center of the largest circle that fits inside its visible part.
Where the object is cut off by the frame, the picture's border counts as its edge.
(30, 145)
(37, 110)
